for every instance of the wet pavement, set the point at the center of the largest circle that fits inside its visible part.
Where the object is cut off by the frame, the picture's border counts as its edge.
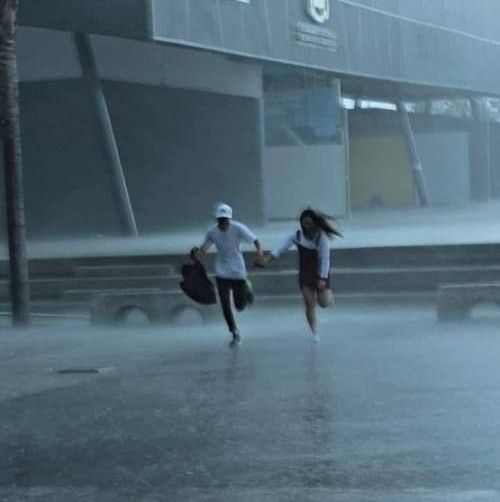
(390, 406)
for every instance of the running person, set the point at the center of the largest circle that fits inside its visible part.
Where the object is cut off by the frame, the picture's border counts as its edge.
(230, 268)
(312, 241)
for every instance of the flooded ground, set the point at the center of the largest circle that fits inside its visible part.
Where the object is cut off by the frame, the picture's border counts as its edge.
(389, 406)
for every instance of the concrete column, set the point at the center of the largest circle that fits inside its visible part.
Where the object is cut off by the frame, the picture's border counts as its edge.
(480, 158)
(347, 147)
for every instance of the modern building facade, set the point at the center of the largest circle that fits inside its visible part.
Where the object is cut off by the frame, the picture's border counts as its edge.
(137, 115)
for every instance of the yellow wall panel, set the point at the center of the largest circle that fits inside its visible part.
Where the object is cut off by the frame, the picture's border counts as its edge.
(380, 171)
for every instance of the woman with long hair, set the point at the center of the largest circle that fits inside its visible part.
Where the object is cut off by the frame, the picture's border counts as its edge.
(312, 240)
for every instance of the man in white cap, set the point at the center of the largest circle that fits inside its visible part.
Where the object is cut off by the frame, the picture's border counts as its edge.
(230, 269)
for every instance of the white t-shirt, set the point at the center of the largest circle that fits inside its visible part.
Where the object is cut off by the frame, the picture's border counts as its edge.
(229, 262)
(321, 245)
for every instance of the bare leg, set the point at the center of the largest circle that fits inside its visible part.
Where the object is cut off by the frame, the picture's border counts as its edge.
(309, 296)
(325, 298)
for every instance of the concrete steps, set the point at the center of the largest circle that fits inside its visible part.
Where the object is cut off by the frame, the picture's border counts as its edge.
(380, 279)
(393, 271)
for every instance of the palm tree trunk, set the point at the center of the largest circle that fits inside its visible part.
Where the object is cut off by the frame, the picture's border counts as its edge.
(11, 137)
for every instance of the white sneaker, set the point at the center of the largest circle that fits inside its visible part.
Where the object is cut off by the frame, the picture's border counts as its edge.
(315, 338)
(236, 340)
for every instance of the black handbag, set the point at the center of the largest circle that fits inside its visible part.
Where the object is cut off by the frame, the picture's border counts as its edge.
(196, 283)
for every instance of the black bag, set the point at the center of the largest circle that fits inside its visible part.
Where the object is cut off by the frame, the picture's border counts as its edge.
(196, 283)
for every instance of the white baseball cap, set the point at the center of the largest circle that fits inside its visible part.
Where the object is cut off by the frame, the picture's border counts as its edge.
(223, 211)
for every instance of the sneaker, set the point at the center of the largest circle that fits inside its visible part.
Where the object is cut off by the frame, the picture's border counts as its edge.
(236, 340)
(249, 291)
(315, 338)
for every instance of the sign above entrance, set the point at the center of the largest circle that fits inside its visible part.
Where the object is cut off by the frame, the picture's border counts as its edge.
(317, 37)
(318, 10)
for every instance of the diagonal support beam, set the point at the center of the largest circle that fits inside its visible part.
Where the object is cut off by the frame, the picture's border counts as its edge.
(89, 72)
(416, 166)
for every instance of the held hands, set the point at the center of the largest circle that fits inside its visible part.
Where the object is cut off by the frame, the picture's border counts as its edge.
(262, 260)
